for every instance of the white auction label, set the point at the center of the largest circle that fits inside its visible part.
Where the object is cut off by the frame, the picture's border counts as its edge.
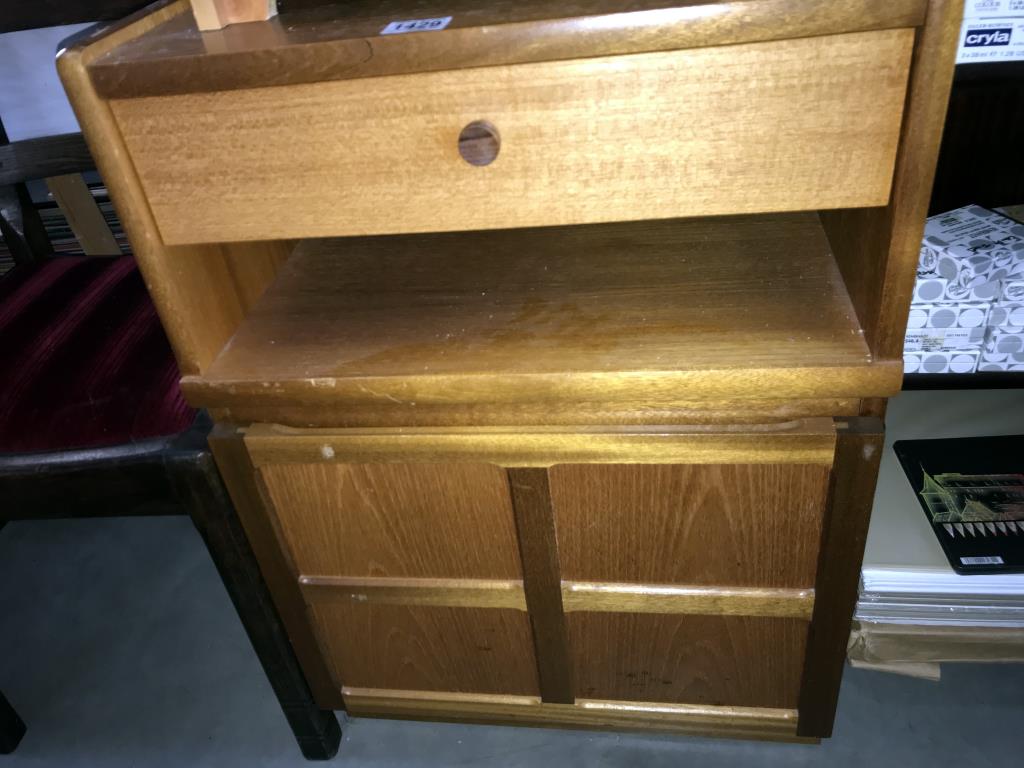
(416, 25)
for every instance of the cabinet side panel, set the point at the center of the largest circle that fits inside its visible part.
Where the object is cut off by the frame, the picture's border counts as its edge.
(877, 248)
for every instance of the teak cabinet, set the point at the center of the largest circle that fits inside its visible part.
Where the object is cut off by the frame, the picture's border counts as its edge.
(548, 349)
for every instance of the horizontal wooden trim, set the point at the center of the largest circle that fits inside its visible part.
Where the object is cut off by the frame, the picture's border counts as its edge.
(48, 156)
(734, 722)
(529, 414)
(456, 593)
(665, 598)
(314, 45)
(811, 441)
(576, 596)
(646, 389)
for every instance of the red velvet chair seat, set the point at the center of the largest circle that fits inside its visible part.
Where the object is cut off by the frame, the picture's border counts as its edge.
(84, 362)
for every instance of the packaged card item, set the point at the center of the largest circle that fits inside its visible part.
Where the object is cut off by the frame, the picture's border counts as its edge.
(956, 361)
(1007, 314)
(948, 315)
(943, 339)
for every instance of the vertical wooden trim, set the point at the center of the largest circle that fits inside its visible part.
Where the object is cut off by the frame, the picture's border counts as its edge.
(844, 531)
(240, 478)
(535, 526)
(84, 217)
(877, 248)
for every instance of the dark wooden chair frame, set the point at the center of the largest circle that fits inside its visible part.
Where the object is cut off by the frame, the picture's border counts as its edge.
(167, 476)
(173, 475)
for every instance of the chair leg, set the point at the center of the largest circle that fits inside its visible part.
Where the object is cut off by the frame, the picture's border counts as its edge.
(12, 728)
(199, 483)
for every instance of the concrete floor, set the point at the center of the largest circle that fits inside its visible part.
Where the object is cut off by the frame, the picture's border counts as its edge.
(119, 647)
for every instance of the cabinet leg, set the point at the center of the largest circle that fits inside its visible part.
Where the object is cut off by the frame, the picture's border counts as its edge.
(858, 452)
(12, 728)
(316, 730)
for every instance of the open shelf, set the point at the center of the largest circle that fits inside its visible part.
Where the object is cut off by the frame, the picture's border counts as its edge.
(663, 311)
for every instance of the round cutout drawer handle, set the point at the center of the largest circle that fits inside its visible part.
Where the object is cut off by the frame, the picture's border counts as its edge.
(479, 143)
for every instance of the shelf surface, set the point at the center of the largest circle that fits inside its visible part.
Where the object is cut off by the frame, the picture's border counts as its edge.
(649, 312)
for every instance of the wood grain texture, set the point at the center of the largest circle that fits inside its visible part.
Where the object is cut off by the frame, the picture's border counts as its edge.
(674, 599)
(710, 525)
(776, 126)
(467, 650)
(538, 550)
(451, 520)
(728, 722)
(217, 14)
(810, 441)
(450, 593)
(877, 249)
(716, 660)
(195, 288)
(46, 156)
(83, 215)
(240, 479)
(646, 314)
(344, 41)
(575, 413)
(858, 452)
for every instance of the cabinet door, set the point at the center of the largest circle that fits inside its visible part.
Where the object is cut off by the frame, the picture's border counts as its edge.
(382, 551)
(743, 538)
(670, 567)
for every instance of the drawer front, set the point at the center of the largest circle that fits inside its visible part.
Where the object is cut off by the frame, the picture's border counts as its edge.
(787, 125)
(698, 524)
(395, 520)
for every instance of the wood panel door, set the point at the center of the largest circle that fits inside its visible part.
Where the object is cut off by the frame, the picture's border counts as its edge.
(656, 567)
(743, 537)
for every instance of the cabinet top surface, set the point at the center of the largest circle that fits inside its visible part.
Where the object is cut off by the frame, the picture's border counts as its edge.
(357, 38)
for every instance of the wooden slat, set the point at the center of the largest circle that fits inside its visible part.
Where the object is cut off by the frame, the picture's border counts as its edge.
(810, 441)
(47, 156)
(574, 413)
(535, 525)
(451, 593)
(664, 598)
(763, 127)
(723, 721)
(217, 14)
(858, 452)
(546, 611)
(332, 43)
(83, 215)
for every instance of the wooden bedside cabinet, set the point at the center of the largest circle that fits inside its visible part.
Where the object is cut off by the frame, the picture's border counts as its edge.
(548, 348)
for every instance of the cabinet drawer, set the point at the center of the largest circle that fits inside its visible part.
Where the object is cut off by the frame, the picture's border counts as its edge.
(798, 124)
